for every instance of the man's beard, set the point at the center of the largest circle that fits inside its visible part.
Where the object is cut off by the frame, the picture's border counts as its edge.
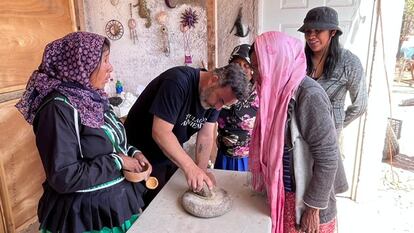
(204, 96)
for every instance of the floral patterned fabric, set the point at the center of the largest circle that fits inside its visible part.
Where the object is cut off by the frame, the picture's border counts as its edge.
(289, 220)
(235, 125)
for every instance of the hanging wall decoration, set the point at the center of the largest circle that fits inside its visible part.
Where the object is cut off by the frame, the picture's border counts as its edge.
(239, 26)
(188, 20)
(114, 2)
(132, 25)
(170, 3)
(162, 19)
(114, 29)
(144, 12)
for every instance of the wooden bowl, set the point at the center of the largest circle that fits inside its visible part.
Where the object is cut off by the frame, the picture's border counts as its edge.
(137, 176)
(151, 183)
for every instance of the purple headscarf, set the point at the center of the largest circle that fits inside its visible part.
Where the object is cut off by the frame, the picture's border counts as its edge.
(66, 67)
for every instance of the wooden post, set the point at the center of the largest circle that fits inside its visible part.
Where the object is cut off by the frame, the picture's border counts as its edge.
(211, 8)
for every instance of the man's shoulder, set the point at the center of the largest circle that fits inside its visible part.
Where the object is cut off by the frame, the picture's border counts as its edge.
(181, 75)
(182, 70)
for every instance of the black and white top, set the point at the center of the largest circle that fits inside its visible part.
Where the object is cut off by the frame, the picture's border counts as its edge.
(174, 97)
(83, 184)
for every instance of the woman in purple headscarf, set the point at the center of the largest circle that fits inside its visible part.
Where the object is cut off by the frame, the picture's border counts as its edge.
(81, 142)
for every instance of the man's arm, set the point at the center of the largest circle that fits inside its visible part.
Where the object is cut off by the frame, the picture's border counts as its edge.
(167, 141)
(214, 149)
(204, 144)
(204, 147)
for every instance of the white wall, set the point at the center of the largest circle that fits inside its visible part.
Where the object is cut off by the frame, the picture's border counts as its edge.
(138, 64)
(226, 15)
(378, 109)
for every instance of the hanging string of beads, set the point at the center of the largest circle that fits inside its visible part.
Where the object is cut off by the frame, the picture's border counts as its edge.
(188, 20)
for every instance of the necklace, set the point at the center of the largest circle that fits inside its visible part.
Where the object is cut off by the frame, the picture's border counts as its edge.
(313, 74)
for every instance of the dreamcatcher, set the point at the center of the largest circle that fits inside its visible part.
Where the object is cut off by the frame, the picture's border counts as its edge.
(132, 24)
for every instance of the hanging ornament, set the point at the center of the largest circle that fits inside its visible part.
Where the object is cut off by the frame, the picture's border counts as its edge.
(240, 32)
(188, 20)
(132, 24)
(165, 41)
(114, 2)
(114, 29)
(144, 12)
(187, 48)
(169, 4)
(162, 19)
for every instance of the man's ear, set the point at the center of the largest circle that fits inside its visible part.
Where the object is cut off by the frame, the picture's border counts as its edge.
(214, 79)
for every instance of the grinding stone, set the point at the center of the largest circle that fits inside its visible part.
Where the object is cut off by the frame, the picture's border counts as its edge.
(214, 205)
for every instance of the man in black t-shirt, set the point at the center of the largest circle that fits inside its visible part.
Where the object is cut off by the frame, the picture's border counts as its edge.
(175, 105)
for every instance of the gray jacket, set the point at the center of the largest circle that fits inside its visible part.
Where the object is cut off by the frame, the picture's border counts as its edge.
(348, 75)
(318, 169)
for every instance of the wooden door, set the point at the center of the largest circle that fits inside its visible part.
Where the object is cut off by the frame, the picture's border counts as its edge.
(26, 26)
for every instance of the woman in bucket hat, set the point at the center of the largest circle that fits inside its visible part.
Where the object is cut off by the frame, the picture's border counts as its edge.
(336, 69)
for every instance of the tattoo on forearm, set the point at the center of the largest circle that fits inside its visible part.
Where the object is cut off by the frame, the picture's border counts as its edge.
(200, 148)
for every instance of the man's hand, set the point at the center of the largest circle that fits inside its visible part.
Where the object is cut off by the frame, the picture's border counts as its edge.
(196, 178)
(211, 176)
(309, 222)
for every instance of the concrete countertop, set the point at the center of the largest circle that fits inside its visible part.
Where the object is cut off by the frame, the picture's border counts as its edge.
(250, 212)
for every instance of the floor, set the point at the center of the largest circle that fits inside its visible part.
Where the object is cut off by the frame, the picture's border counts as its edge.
(391, 209)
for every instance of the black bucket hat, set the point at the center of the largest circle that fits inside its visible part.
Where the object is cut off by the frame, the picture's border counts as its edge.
(241, 51)
(323, 17)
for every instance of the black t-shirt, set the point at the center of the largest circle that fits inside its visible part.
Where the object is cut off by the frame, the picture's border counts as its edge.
(174, 97)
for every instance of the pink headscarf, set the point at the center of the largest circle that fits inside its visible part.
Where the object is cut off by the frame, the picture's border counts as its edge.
(282, 67)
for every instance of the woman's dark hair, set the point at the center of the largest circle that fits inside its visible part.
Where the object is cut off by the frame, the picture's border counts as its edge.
(332, 57)
(251, 49)
(105, 47)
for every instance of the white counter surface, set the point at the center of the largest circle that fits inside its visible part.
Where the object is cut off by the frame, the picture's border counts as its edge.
(250, 212)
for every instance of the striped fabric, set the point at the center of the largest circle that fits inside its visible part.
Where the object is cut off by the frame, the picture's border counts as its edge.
(288, 181)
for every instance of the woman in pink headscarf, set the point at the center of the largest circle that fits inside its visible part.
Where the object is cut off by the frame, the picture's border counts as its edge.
(294, 150)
